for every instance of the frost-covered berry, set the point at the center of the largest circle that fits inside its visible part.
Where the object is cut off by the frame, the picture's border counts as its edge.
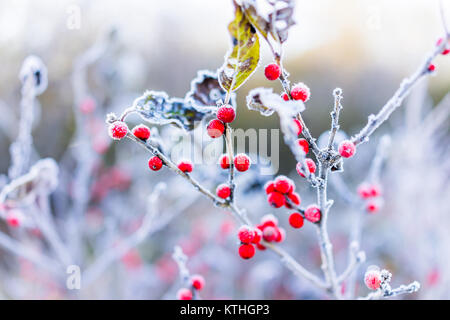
(272, 71)
(347, 149)
(198, 282)
(118, 130)
(226, 113)
(215, 128)
(375, 190)
(431, 67)
(223, 191)
(300, 91)
(270, 233)
(155, 163)
(246, 234)
(242, 162)
(257, 236)
(446, 49)
(296, 220)
(312, 213)
(281, 235)
(298, 126)
(269, 187)
(284, 96)
(309, 163)
(224, 161)
(184, 294)
(294, 198)
(141, 132)
(276, 199)
(372, 279)
(303, 144)
(364, 191)
(372, 207)
(282, 184)
(185, 166)
(260, 247)
(246, 251)
(14, 218)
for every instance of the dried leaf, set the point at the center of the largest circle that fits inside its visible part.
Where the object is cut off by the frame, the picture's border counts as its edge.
(157, 108)
(205, 89)
(243, 58)
(266, 102)
(270, 17)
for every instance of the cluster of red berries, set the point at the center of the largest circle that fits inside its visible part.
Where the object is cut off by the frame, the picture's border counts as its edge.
(197, 282)
(370, 193)
(216, 127)
(445, 51)
(281, 192)
(268, 230)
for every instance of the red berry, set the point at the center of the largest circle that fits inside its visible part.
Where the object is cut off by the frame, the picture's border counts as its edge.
(198, 282)
(375, 190)
(364, 190)
(269, 187)
(294, 198)
(246, 251)
(372, 207)
(272, 71)
(118, 130)
(347, 149)
(269, 233)
(185, 166)
(242, 162)
(431, 67)
(303, 144)
(282, 184)
(309, 163)
(260, 247)
(446, 49)
(276, 199)
(257, 236)
(296, 220)
(184, 294)
(312, 213)
(14, 218)
(226, 113)
(300, 92)
(155, 163)
(225, 161)
(372, 279)
(269, 220)
(246, 234)
(141, 132)
(298, 126)
(223, 191)
(285, 96)
(215, 128)
(281, 235)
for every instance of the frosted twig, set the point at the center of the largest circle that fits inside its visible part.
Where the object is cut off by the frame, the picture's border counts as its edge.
(357, 257)
(230, 152)
(374, 121)
(337, 93)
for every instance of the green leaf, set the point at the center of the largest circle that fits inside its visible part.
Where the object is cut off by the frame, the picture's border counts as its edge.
(243, 58)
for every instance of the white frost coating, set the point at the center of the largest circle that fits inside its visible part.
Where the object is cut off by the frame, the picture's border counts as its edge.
(266, 102)
(34, 68)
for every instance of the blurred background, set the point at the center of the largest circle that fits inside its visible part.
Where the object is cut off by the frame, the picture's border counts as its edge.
(365, 47)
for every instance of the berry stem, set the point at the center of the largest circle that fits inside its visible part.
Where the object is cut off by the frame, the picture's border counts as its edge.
(337, 93)
(230, 152)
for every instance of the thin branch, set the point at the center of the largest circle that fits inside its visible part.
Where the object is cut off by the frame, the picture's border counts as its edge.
(337, 93)
(374, 121)
(230, 152)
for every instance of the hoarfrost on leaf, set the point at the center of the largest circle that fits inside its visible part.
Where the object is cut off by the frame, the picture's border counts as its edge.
(266, 102)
